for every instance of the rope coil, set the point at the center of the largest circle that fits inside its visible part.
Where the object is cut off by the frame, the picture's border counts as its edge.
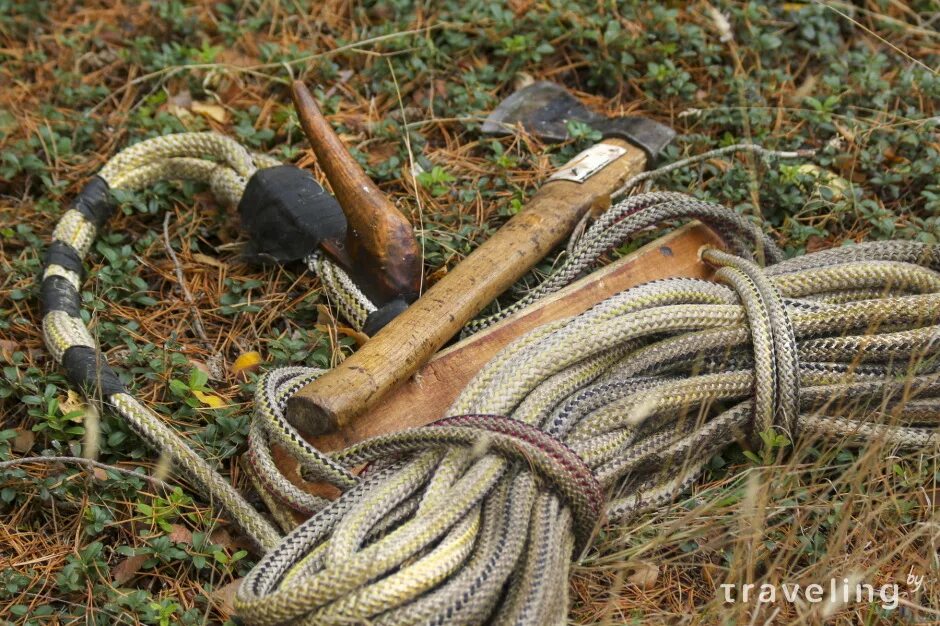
(605, 415)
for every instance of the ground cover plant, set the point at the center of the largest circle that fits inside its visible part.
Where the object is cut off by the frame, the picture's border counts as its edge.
(407, 84)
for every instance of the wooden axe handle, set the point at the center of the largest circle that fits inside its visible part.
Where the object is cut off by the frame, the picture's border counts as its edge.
(411, 339)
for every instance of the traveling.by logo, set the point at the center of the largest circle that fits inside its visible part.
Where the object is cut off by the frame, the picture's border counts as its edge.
(840, 591)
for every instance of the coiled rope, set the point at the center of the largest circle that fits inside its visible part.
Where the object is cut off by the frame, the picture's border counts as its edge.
(476, 518)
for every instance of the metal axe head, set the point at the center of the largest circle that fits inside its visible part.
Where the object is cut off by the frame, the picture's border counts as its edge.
(544, 109)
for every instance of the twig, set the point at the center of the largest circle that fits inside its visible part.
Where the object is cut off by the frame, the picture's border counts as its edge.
(197, 319)
(740, 147)
(77, 460)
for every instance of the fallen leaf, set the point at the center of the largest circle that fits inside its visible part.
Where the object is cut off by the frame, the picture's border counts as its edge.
(7, 348)
(324, 315)
(814, 243)
(837, 185)
(178, 112)
(209, 399)
(720, 164)
(522, 80)
(381, 153)
(225, 596)
(23, 441)
(212, 111)
(644, 575)
(520, 7)
(930, 498)
(73, 403)
(247, 362)
(127, 569)
(222, 537)
(201, 366)
(181, 534)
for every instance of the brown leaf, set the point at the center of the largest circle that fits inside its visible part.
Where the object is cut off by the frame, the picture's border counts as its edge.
(203, 367)
(181, 534)
(381, 153)
(721, 165)
(520, 7)
(127, 569)
(222, 537)
(225, 596)
(24, 440)
(644, 575)
(815, 243)
(7, 348)
(231, 56)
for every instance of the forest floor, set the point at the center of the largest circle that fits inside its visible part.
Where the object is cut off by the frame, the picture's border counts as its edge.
(407, 84)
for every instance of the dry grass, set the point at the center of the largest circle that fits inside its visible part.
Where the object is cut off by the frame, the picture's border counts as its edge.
(822, 511)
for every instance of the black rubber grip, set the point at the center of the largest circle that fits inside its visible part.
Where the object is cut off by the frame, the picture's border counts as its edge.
(383, 315)
(58, 294)
(64, 255)
(86, 368)
(287, 214)
(94, 202)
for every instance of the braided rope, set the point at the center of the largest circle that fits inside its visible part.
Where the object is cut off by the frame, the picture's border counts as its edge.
(608, 414)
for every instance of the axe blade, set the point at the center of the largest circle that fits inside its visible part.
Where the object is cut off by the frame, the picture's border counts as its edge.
(544, 109)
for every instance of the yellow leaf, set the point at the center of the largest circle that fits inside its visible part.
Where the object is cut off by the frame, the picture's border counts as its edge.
(209, 399)
(247, 361)
(73, 403)
(212, 111)
(825, 178)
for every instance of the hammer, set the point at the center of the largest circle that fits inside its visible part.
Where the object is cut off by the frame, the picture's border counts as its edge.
(409, 340)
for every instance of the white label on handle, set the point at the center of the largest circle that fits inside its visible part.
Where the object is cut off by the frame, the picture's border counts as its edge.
(589, 162)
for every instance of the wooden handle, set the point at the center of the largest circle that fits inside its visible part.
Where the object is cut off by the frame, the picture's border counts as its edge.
(408, 341)
(384, 253)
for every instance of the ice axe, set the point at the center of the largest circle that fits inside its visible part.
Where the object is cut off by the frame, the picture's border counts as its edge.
(289, 216)
(396, 352)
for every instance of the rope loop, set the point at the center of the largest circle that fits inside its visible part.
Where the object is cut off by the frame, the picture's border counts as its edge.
(546, 456)
(776, 366)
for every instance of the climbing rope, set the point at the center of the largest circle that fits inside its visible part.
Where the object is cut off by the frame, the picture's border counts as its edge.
(476, 518)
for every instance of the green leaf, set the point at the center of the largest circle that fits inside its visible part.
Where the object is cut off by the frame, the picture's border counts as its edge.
(179, 388)
(198, 379)
(753, 457)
